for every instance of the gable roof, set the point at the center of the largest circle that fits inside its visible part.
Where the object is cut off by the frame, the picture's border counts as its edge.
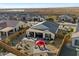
(66, 18)
(75, 35)
(50, 26)
(10, 23)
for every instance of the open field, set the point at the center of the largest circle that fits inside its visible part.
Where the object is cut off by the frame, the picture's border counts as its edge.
(58, 11)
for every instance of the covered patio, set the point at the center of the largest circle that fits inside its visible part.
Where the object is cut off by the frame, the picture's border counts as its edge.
(6, 32)
(39, 34)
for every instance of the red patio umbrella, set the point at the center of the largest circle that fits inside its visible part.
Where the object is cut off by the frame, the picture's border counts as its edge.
(40, 42)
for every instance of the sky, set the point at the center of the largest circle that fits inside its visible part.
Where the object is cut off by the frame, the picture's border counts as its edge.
(37, 5)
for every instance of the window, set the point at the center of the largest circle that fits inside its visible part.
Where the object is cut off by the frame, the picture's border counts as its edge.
(77, 42)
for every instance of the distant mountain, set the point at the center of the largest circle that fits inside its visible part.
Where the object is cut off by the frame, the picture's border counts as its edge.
(64, 10)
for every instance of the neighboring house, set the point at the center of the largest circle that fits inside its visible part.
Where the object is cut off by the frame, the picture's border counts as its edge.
(75, 39)
(65, 18)
(71, 48)
(35, 20)
(38, 18)
(44, 29)
(66, 23)
(68, 26)
(8, 27)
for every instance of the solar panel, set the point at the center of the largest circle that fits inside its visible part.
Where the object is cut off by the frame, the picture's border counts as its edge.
(51, 26)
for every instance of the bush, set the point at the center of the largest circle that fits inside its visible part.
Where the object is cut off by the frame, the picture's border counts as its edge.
(50, 19)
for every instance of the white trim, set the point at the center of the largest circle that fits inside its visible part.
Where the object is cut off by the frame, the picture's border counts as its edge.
(38, 24)
(7, 29)
(57, 29)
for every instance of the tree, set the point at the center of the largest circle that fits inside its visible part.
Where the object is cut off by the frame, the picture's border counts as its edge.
(50, 19)
(71, 29)
(74, 19)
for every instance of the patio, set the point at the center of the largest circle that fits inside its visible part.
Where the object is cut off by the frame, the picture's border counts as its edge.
(27, 45)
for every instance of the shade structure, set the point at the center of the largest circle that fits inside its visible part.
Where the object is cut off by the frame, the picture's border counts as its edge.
(40, 42)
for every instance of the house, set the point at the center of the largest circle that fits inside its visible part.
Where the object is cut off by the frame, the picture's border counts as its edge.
(8, 27)
(72, 47)
(34, 20)
(66, 23)
(68, 26)
(75, 39)
(43, 29)
(65, 18)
